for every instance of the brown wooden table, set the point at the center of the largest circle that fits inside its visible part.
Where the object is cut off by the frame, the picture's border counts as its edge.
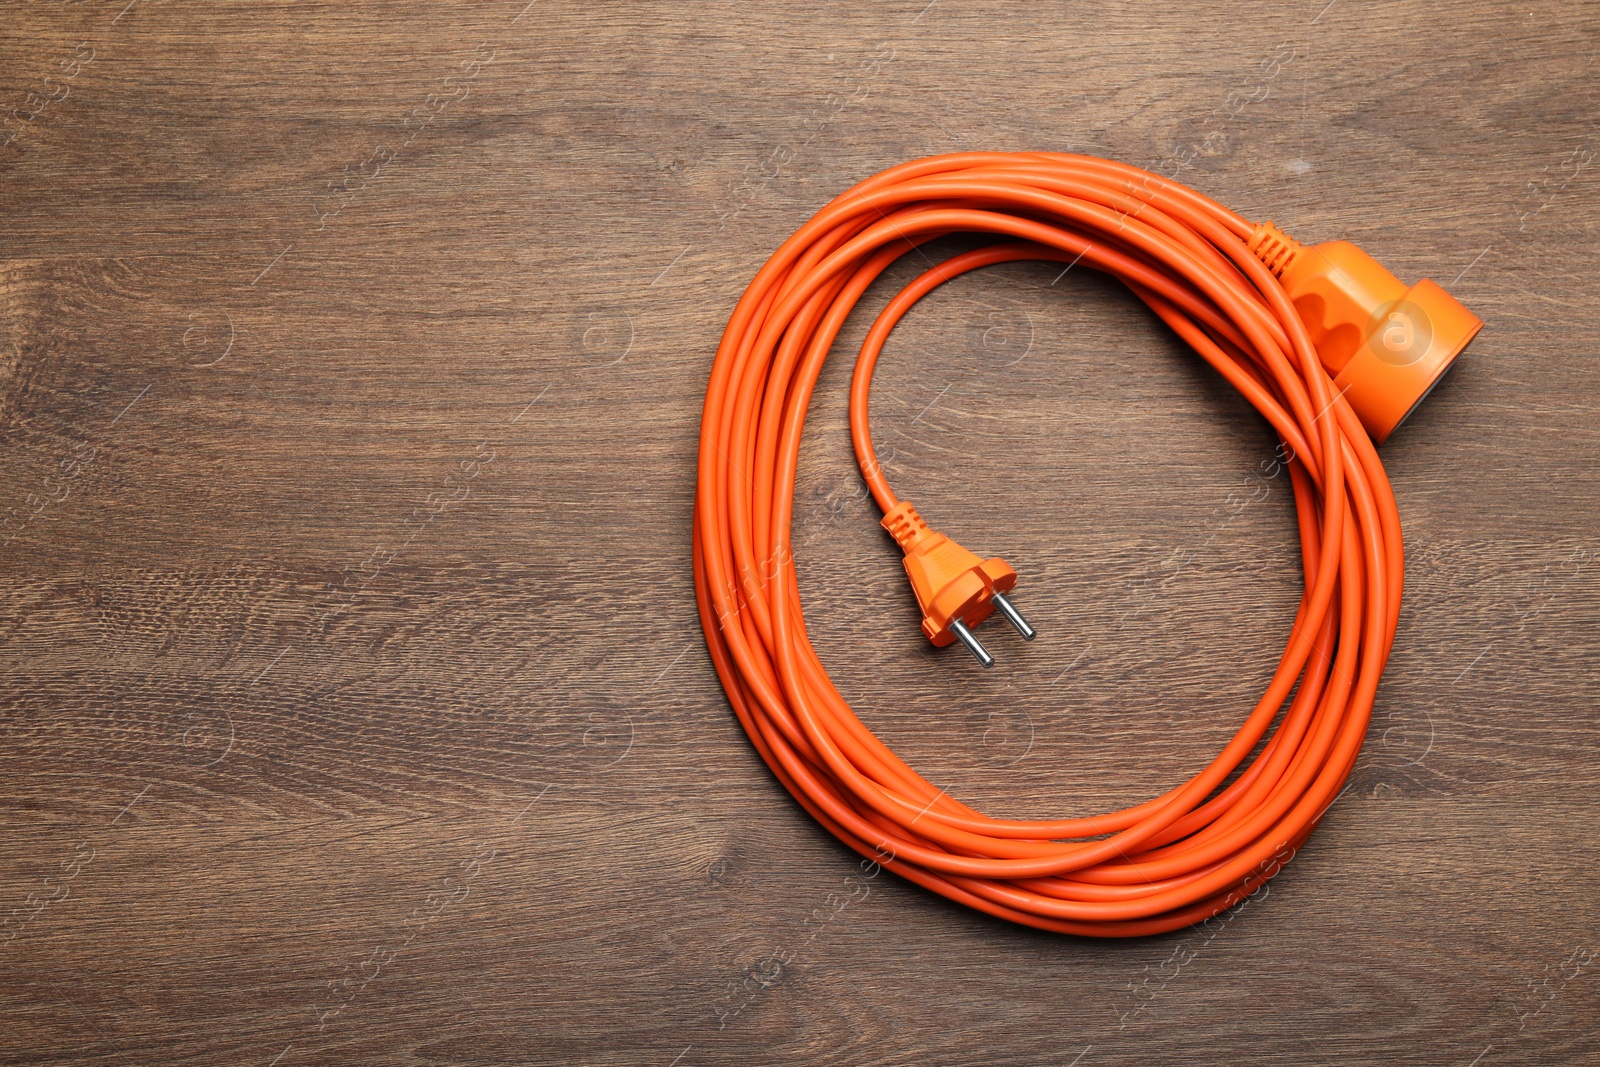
(356, 709)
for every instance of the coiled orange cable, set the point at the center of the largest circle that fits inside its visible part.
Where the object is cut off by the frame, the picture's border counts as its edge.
(1196, 849)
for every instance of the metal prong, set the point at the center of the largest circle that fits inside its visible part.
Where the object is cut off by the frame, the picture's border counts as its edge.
(1009, 610)
(974, 646)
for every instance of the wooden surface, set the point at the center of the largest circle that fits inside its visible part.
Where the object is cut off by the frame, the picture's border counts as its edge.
(355, 709)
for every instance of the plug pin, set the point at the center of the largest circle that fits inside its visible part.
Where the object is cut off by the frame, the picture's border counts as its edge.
(974, 646)
(1009, 610)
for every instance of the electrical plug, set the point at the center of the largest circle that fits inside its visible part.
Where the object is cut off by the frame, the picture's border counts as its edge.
(955, 589)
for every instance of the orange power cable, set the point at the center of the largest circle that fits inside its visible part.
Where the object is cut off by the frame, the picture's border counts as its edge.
(1215, 279)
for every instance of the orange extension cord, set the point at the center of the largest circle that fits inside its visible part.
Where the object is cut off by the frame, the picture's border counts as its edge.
(1196, 849)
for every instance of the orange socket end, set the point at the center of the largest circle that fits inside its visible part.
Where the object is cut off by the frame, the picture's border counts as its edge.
(1386, 345)
(955, 589)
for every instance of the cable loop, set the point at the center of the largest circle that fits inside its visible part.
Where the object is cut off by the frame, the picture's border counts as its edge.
(1197, 848)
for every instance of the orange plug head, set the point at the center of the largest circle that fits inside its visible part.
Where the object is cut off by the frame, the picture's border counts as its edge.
(1384, 344)
(955, 589)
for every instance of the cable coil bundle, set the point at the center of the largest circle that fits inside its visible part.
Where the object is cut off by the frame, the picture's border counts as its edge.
(1214, 279)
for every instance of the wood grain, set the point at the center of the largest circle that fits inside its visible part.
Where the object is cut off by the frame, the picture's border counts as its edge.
(355, 708)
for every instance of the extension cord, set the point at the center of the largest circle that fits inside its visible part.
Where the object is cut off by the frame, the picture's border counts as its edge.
(1327, 345)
